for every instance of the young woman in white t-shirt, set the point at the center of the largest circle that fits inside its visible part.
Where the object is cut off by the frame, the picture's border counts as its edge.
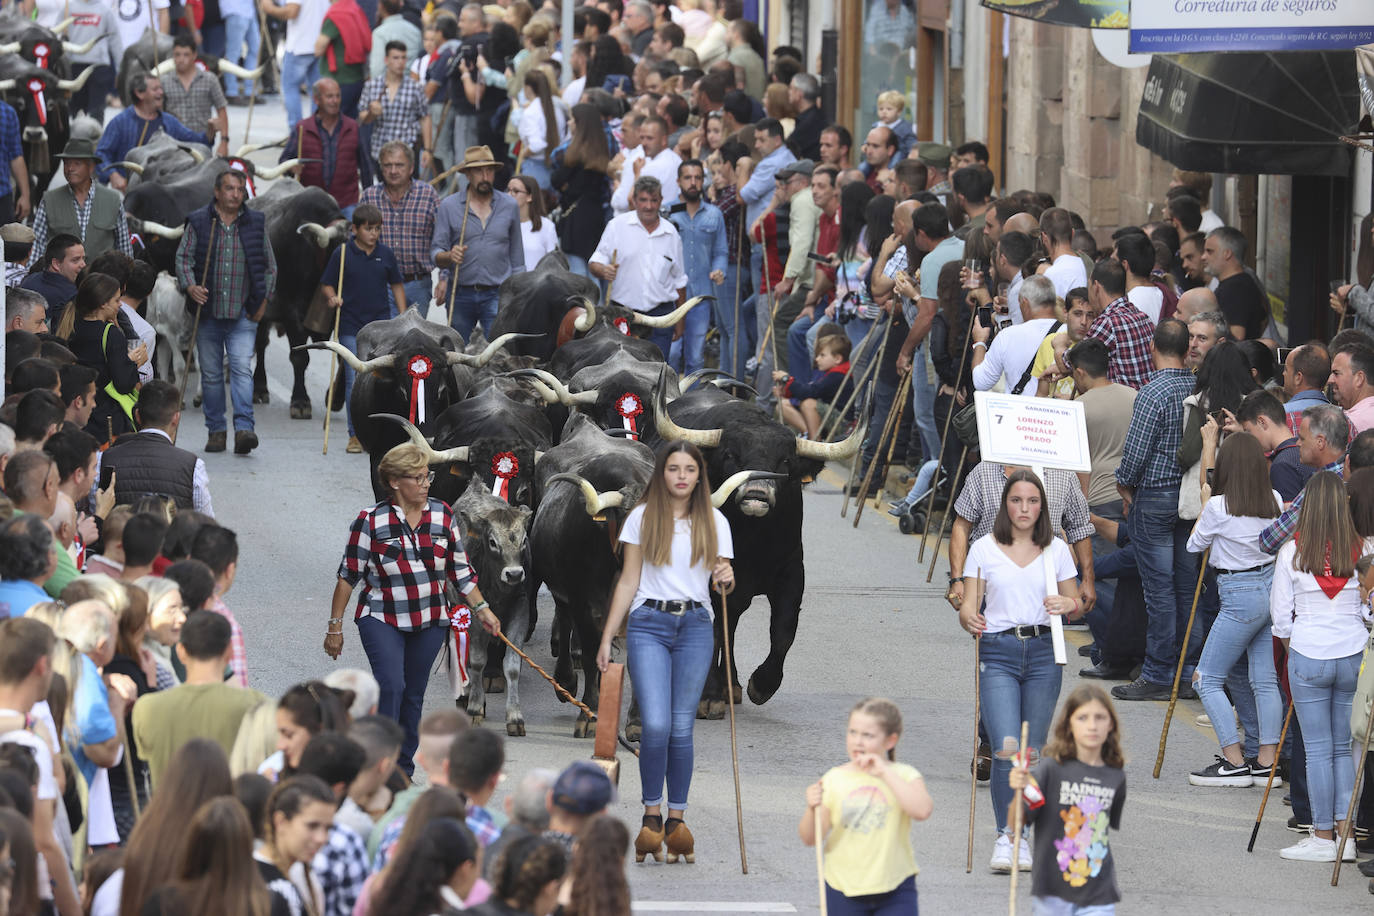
(537, 231)
(1019, 679)
(676, 545)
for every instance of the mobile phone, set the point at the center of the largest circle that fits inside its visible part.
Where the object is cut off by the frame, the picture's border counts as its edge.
(1211, 472)
(1004, 324)
(818, 258)
(985, 316)
(1283, 355)
(106, 474)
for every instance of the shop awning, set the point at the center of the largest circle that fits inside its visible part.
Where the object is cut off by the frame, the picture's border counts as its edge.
(1252, 112)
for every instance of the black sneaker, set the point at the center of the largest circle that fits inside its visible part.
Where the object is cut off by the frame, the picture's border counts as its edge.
(1106, 672)
(1296, 827)
(1367, 869)
(1141, 689)
(1261, 773)
(1222, 773)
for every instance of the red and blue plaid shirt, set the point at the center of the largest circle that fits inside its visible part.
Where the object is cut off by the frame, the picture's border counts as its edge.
(1128, 334)
(403, 569)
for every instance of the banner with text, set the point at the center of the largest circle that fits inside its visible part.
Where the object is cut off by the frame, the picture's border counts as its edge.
(1188, 26)
(1086, 14)
(1026, 431)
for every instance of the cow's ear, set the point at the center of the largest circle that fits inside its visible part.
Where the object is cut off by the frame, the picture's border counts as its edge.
(524, 511)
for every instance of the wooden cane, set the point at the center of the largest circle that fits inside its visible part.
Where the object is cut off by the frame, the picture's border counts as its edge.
(129, 775)
(820, 857)
(730, 702)
(462, 234)
(338, 313)
(977, 717)
(276, 74)
(832, 420)
(894, 415)
(1254, 832)
(1182, 658)
(1016, 815)
(954, 407)
(1360, 763)
(947, 522)
(739, 274)
(836, 417)
(865, 404)
(891, 447)
(195, 325)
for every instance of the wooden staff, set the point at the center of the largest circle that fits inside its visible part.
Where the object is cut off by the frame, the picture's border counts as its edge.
(1182, 657)
(730, 702)
(864, 405)
(740, 262)
(977, 717)
(832, 420)
(1354, 795)
(820, 858)
(894, 415)
(1016, 815)
(338, 312)
(772, 315)
(276, 74)
(947, 522)
(195, 325)
(944, 439)
(462, 234)
(1254, 832)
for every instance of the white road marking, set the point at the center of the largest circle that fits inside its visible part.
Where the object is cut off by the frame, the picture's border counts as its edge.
(689, 906)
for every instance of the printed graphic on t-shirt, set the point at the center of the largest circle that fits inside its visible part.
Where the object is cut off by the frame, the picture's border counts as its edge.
(1085, 808)
(864, 810)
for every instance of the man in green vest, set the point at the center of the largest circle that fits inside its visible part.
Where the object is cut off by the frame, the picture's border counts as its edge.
(90, 211)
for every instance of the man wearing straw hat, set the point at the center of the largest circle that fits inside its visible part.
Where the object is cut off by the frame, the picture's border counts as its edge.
(91, 212)
(226, 266)
(477, 231)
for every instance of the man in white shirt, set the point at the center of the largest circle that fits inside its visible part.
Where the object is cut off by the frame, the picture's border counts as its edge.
(1056, 233)
(299, 64)
(1013, 351)
(651, 159)
(648, 273)
(572, 93)
(1136, 253)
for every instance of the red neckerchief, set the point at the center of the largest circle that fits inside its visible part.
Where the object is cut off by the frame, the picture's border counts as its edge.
(1331, 585)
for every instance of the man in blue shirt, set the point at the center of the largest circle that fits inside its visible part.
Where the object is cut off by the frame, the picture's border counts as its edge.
(27, 559)
(756, 185)
(1305, 373)
(702, 228)
(14, 196)
(136, 125)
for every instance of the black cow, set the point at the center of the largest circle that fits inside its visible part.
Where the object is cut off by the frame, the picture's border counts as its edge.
(40, 97)
(765, 517)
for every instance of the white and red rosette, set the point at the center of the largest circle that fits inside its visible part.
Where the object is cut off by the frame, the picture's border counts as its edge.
(419, 369)
(622, 325)
(460, 618)
(504, 466)
(36, 87)
(629, 405)
(41, 53)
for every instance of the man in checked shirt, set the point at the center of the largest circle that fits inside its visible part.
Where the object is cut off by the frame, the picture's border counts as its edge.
(408, 207)
(1148, 479)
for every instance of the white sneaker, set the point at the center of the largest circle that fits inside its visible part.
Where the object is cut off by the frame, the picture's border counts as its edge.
(1311, 848)
(1001, 854)
(1349, 855)
(1023, 855)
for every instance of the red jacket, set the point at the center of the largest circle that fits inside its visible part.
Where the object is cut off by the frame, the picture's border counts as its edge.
(353, 28)
(307, 143)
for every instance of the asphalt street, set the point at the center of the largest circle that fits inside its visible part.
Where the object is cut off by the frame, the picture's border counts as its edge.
(870, 626)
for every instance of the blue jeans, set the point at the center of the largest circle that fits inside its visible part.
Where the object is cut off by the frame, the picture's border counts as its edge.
(400, 661)
(737, 332)
(923, 403)
(235, 337)
(295, 70)
(472, 306)
(418, 295)
(668, 656)
(212, 39)
(578, 266)
(1019, 683)
(1161, 553)
(351, 342)
(900, 901)
(240, 31)
(1241, 630)
(535, 167)
(1057, 906)
(799, 350)
(661, 337)
(689, 346)
(1323, 694)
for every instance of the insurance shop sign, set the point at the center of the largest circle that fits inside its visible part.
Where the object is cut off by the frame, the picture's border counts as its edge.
(1185, 26)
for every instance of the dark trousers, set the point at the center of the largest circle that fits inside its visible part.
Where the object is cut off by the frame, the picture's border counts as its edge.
(662, 337)
(91, 97)
(351, 93)
(883, 393)
(400, 661)
(7, 209)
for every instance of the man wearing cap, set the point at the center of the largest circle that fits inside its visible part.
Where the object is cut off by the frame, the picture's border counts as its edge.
(328, 141)
(477, 231)
(935, 157)
(702, 228)
(582, 791)
(18, 241)
(82, 208)
(14, 197)
(135, 126)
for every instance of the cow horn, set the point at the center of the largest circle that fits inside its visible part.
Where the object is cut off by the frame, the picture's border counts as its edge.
(226, 67)
(315, 232)
(347, 355)
(670, 319)
(585, 321)
(826, 451)
(277, 171)
(459, 453)
(557, 392)
(134, 167)
(732, 483)
(254, 147)
(72, 48)
(10, 48)
(596, 502)
(687, 381)
(62, 26)
(161, 231)
(7, 85)
(77, 84)
(669, 430)
(481, 359)
(549, 396)
(194, 153)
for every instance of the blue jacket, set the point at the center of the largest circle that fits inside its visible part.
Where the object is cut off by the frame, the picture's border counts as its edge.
(823, 386)
(251, 228)
(703, 245)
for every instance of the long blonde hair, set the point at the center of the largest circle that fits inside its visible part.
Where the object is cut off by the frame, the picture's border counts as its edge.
(657, 531)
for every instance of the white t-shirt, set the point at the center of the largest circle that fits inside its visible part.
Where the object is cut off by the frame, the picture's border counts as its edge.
(42, 755)
(679, 580)
(1016, 594)
(1234, 539)
(538, 244)
(132, 18)
(145, 333)
(302, 31)
(1210, 221)
(1148, 299)
(572, 93)
(1065, 273)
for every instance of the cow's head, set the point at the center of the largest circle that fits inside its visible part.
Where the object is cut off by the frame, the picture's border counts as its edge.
(494, 534)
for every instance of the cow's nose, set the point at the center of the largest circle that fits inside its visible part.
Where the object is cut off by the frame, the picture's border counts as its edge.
(513, 575)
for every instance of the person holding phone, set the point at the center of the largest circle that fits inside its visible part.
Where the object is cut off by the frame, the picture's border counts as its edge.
(92, 332)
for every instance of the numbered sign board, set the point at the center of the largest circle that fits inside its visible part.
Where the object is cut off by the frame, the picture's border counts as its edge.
(1028, 431)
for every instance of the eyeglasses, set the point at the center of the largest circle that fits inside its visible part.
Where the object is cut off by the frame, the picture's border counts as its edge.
(422, 480)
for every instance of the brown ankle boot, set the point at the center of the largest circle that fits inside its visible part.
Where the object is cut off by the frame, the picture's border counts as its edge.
(650, 839)
(680, 841)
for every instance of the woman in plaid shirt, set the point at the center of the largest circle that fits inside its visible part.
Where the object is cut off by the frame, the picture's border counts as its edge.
(405, 550)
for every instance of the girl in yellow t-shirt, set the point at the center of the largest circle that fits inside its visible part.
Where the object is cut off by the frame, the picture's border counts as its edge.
(867, 806)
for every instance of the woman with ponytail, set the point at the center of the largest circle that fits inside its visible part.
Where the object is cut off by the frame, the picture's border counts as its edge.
(528, 874)
(91, 330)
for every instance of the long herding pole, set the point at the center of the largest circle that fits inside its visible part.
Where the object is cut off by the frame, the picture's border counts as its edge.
(1360, 762)
(462, 234)
(977, 717)
(1182, 657)
(730, 702)
(195, 325)
(338, 313)
(1269, 784)
(1016, 817)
